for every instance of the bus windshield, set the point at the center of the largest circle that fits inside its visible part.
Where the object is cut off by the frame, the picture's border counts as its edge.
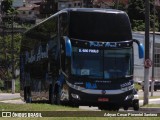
(102, 64)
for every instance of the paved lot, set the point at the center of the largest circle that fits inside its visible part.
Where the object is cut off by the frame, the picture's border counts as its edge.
(8, 96)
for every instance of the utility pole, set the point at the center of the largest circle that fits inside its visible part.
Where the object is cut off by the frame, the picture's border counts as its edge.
(153, 50)
(146, 69)
(12, 52)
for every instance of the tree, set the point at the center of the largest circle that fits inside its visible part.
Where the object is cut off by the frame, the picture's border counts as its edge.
(88, 3)
(6, 58)
(136, 12)
(6, 6)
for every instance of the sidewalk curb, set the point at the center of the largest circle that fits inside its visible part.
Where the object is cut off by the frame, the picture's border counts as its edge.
(147, 109)
(18, 101)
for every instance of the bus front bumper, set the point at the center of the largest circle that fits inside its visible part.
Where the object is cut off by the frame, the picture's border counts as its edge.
(122, 99)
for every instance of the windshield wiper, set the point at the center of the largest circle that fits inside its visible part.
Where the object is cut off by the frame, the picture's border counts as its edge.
(128, 76)
(88, 76)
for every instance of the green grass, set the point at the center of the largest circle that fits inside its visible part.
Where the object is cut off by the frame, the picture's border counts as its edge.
(137, 86)
(34, 107)
(85, 118)
(48, 107)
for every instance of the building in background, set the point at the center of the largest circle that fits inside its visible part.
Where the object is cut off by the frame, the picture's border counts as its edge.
(157, 2)
(34, 1)
(18, 3)
(139, 64)
(28, 13)
(109, 3)
(69, 4)
(51, 6)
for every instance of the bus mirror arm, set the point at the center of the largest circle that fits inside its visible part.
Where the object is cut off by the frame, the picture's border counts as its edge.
(68, 46)
(140, 48)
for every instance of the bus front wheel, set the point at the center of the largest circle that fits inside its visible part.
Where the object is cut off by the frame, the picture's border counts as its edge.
(58, 95)
(136, 105)
(109, 107)
(125, 107)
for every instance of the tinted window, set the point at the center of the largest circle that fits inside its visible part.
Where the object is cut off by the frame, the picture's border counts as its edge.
(99, 26)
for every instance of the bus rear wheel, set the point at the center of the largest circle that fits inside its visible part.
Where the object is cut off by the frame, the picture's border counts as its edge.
(51, 95)
(27, 95)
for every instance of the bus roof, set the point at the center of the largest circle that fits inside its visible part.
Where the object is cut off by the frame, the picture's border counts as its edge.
(98, 10)
(95, 24)
(94, 10)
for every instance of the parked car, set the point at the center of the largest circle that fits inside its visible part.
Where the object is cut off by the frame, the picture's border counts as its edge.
(156, 85)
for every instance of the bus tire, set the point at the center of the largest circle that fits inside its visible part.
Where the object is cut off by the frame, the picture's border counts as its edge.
(58, 95)
(101, 108)
(73, 104)
(125, 107)
(109, 107)
(51, 94)
(115, 107)
(136, 105)
(27, 95)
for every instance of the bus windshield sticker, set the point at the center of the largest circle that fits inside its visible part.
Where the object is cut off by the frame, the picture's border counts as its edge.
(126, 84)
(88, 51)
(91, 85)
(103, 44)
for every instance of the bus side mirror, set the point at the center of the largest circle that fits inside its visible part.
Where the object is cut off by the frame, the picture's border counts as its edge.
(68, 46)
(140, 48)
(141, 51)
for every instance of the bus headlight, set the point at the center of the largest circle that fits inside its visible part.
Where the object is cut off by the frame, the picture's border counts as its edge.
(75, 96)
(129, 97)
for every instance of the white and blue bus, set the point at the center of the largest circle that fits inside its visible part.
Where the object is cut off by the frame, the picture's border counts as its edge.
(80, 56)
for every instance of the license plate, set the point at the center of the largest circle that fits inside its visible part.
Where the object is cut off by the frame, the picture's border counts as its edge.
(103, 99)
